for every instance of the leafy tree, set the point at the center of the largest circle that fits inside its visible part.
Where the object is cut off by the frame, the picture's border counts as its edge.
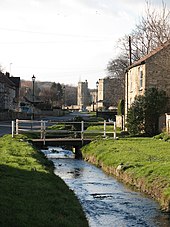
(121, 107)
(144, 113)
(155, 105)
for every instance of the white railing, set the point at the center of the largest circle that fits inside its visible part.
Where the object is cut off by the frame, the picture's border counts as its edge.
(42, 127)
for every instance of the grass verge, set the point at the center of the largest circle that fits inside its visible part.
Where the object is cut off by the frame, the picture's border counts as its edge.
(142, 162)
(30, 193)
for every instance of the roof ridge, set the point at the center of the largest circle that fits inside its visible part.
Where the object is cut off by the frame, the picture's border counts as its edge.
(152, 52)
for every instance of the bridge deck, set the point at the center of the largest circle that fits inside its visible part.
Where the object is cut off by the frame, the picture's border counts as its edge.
(61, 139)
(71, 142)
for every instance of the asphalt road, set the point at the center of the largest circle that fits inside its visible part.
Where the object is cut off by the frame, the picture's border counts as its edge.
(5, 127)
(67, 117)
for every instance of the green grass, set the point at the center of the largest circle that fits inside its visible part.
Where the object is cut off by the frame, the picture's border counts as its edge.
(100, 128)
(95, 130)
(91, 131)
(59, 127)
(30, 193)
(144, 159)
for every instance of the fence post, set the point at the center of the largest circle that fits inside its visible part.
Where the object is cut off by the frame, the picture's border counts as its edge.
(41, 132)
(104, 133)
(44, 132)
(82, 130)
(17, 127)
(13, 128)
(114, 130)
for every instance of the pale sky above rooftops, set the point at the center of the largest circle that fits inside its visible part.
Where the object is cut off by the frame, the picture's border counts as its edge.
(64, 41)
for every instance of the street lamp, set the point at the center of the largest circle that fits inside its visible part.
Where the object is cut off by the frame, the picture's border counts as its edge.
(33, 95)
(97, 84)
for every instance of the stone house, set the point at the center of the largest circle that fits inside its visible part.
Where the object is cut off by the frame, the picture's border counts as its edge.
(153, 70)
(110, 91)
(9, 92)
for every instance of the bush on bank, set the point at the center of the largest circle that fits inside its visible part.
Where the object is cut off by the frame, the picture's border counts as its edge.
(30, 193)
(141, 162)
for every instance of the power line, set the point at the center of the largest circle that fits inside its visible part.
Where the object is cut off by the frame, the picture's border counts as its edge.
(58, 34)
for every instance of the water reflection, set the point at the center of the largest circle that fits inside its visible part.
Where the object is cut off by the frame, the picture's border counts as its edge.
(106, 201)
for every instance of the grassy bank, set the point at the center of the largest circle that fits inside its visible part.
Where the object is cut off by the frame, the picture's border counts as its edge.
(30, 194)
(141, 162)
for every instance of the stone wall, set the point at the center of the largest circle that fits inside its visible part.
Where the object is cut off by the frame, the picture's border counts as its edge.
(132, 85)
(110, 92)
(158, 71)
(8, 116)
(118, 121)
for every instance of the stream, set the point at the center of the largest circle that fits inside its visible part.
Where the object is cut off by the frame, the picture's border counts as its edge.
(105, 201)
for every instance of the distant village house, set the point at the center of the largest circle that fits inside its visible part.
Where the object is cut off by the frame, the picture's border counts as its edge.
(9, 92)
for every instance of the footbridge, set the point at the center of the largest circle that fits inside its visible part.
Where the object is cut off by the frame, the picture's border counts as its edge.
(53, 133)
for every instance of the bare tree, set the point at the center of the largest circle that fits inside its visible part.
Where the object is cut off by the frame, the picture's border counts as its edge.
(1, 69)
(45, 95)
(152, 31)
(70, 95)
(116, 67)
(52, 95)
(56, 91)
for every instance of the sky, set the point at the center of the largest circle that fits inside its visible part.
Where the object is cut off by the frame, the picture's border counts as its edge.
(65, 41)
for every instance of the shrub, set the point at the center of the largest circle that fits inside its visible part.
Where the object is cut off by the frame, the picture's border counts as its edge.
(144, 113)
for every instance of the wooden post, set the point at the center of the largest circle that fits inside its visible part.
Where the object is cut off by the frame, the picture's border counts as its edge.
(44, 132)
(41, 132)
(114, 130)
(17, 127)
(130, 51)
(13, 128)
(104, 134)
(82, 130)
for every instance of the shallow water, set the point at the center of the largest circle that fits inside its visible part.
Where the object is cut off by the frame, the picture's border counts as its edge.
(106, 201)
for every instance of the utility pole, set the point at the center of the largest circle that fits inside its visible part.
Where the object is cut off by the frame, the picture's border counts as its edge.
(130, 51)
(33, 95)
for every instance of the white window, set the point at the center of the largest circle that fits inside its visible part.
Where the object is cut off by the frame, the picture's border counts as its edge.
(140, 72)
(131, 88)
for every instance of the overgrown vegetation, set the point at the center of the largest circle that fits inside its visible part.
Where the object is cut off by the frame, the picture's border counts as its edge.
(30, 193)
(145, 163)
